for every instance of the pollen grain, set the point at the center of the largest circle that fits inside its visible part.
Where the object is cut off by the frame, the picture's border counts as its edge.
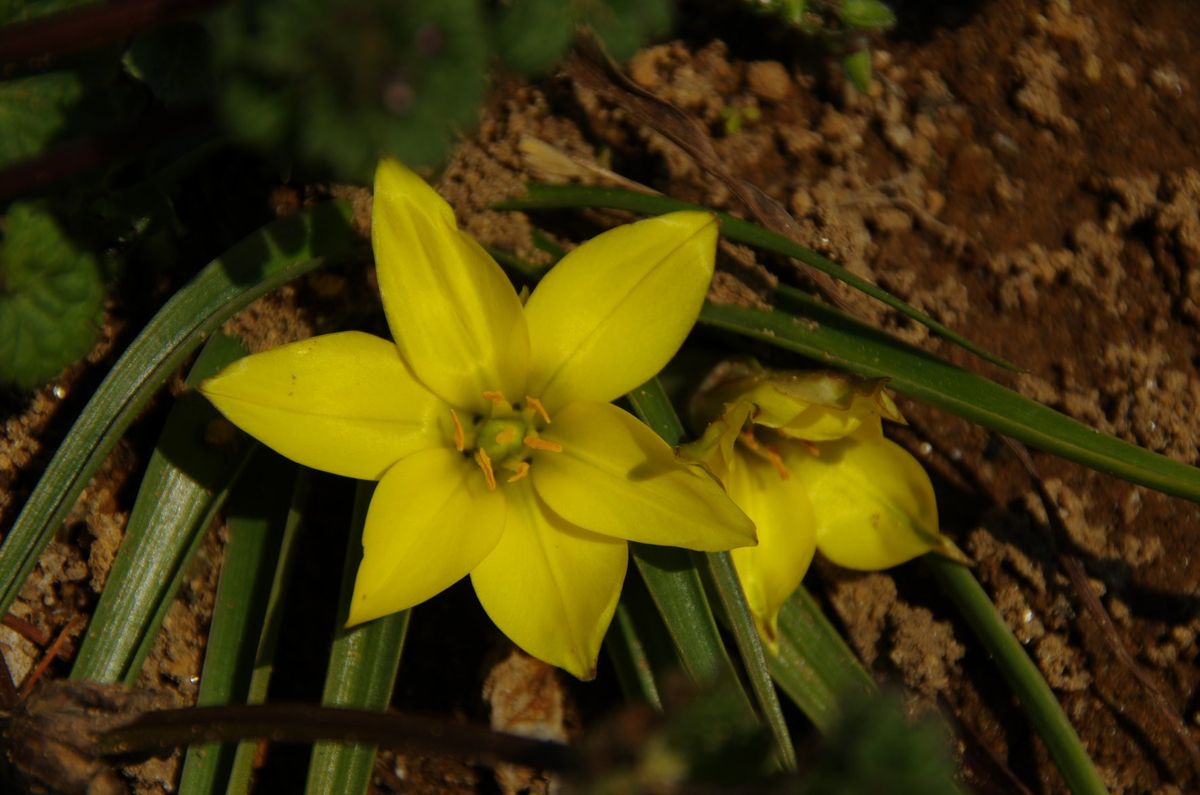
(494, 397)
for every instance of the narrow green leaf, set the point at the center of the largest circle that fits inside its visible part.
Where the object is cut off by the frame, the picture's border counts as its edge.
(264, 659)
(813, 664)
(186, 483)
(631, 659)
(540, 196)
(1032, 693)
(857, 68)
(651, 403)
(270, 257)
(362, 671)
(745, 633)
(866, 14)
(258, 517)
(834, 339)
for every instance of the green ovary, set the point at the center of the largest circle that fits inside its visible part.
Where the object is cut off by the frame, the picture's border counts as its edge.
(501, 437)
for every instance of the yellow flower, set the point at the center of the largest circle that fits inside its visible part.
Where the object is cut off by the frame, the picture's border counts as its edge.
(804, 455)
(488, 423)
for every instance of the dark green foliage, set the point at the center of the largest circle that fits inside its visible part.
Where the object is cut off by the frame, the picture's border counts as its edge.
(533, 34)
(866, 14)
(875, 748)
(340, 84)
(175, 63)
(33, 112)
(50, 297)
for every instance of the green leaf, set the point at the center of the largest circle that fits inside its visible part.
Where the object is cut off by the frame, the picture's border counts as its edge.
(175, 62)
(813, 665)
(51, 297)
(533, 34)
(362, 671)
(339, 84)
(186, 483)
(623, 26)
(1023, 677)
(866, 14)
(34, 112)
(835, 339)
(258, 520)
(540, 196)
(266, 259)
(857, 67)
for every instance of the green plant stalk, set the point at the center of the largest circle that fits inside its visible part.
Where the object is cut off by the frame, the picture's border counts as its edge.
(834, 339)
(362, 672)
(186, 483)
(630, 659)
(258, 516)
(812, 663)
(544, 196)
(1031, 690)
(651, 404)
(274, 255)
(242, 771)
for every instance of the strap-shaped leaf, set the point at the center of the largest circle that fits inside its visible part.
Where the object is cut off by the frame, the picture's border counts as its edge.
(266, 259)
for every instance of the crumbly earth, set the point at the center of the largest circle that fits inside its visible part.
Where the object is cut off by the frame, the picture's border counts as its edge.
(1027, 172)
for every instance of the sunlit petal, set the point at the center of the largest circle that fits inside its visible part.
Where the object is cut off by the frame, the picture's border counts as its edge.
(550, 586)
(454, 314)
(343, 403)
(616, 309)
(779, 506)
(873, 503)
(615, 476)
(431, 520)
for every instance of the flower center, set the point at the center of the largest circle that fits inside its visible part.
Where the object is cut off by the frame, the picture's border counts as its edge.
(505, 439)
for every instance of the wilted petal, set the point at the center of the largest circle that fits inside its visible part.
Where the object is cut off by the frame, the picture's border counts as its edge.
(550, 586)
(431, 520)
(343, 403)
(454, 314)
(616, 477)
(616, 309)
(779, 506)
(873, 503)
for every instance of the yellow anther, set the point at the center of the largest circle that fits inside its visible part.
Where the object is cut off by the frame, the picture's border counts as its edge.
(460, 439)
(765, 452)
(485, 463)
(537, 406)
(542, 444)
(522, 471)
(494, 397)
(506, 436)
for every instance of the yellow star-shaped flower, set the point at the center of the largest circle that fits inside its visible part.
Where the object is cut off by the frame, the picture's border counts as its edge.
(804, 455)
(488, 423)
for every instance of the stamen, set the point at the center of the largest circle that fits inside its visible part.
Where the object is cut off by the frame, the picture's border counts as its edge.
(537, 406)
(522, 471)
(506, 436)
(460, 439)
(494, 397)
(542, 444)
(485, 463)
(765, 452)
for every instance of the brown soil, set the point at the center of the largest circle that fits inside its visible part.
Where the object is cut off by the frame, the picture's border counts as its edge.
(1027, 172)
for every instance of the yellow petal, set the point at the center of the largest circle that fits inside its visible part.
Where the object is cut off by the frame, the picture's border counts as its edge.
(454, 314)
(431, 521)
(343, 403)
(616, 309)
(616, 477)
(873, 503)
(781, 511)
(550, 586)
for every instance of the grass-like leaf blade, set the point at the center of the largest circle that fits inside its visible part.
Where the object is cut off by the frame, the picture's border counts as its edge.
(275, 254)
